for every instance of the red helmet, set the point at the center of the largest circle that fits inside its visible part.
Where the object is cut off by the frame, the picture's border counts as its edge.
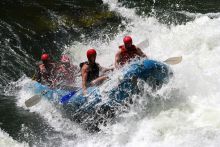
(127, 39)
(44, 57)
(64, 58)
(90, 53)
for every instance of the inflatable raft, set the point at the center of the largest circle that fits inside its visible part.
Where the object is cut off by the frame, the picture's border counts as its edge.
(153, 72)
(103, 101)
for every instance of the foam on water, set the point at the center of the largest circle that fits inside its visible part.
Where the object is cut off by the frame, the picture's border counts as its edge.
(53, 116)
(183, 113)
(7, 141)
(194, 120)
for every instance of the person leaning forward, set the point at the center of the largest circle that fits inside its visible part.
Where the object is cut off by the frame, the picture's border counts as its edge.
(45, 71)
(127, 52)
(66, 73)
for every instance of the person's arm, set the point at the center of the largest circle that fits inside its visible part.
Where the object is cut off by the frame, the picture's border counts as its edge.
(98, 80)
(106, 69)
(141, 54)
(117, 59)
(84, 72)
(38, 75)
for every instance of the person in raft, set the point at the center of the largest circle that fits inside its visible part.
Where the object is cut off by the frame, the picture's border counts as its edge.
(90, 71)
(45, 71)
(127, 52)
(66, 73)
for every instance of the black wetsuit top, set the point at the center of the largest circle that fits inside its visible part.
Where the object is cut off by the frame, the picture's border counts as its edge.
(93, 71)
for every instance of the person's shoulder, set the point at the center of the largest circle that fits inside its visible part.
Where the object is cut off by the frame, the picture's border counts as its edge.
(83, 63)
(120, 46)
(120, 49)
(85, 66)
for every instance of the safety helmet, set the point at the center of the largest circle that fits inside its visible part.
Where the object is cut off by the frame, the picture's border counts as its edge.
(127, 40)
(64, 59)
(44, 57)
(91, 52)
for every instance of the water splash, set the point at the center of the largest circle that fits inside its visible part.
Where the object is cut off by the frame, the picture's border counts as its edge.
(184, 112)
(7, 141)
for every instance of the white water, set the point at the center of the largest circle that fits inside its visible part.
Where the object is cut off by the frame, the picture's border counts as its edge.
(7, 141)
(190, 115)
(187, 113)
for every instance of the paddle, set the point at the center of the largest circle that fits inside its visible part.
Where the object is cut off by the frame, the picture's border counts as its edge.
(173, 60)
(37, 98)
(34, 99)
(65, 98)
(143, 43)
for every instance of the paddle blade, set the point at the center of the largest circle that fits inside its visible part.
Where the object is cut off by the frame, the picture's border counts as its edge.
(173, 60)
(144, 43)
(66, 98)
(32, 101)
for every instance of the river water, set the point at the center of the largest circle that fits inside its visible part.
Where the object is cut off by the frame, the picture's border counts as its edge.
(182, 113)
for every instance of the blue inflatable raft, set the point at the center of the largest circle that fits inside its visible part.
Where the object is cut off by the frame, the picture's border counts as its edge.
(151, 71)
(97, 102)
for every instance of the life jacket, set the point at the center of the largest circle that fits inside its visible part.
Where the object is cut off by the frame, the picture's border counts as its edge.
(127, 55)
(93, 71)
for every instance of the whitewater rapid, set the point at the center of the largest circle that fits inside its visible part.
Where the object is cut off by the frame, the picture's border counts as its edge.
(7, 141)
(183, 113)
